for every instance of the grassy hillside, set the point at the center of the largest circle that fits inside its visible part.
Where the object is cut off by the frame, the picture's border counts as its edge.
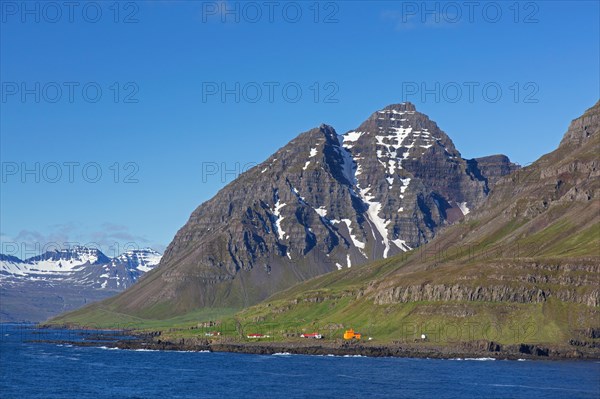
(96, 316)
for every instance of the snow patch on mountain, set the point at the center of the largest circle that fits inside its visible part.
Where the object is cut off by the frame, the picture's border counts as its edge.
(355, 241)
(402, 245)
(373, 215)
(351, 136)
(278, 218)
(321, 211)
(12, 265)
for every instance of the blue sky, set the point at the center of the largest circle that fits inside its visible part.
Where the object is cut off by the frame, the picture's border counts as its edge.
(162, 116)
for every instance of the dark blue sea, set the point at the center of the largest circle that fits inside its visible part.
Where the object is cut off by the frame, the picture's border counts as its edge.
(38, 370)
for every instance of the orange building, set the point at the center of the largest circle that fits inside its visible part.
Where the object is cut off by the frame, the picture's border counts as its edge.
(351, 334)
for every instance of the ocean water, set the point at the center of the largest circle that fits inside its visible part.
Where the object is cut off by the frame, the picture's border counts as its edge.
(35, 370)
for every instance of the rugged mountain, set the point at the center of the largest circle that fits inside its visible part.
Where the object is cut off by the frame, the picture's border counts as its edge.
(140, 260)
(321, 203)
(524, 267)
(53, 262)
(61, 280)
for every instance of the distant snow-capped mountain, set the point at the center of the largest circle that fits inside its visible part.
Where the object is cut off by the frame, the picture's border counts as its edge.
(64, 262)
(53, 262)
(143, 260)
(55, 281)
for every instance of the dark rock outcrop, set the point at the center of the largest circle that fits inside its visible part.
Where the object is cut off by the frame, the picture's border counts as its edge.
(492, 168)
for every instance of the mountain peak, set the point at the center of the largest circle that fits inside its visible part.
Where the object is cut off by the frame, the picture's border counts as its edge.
(401, 107)
(75, 256)
(144, 259)
(142, 250)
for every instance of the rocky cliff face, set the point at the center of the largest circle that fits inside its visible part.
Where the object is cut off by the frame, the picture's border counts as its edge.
(583, 128)
(323, 202)
(492, 168)
(509, 290)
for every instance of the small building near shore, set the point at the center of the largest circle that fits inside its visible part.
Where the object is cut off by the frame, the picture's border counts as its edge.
(312, 335)
(351, 334)
(257, 336)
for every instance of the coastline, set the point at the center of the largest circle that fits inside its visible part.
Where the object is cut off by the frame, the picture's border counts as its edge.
(465, 350)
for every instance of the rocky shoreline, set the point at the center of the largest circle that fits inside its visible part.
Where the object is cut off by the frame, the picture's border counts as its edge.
(467, 350)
